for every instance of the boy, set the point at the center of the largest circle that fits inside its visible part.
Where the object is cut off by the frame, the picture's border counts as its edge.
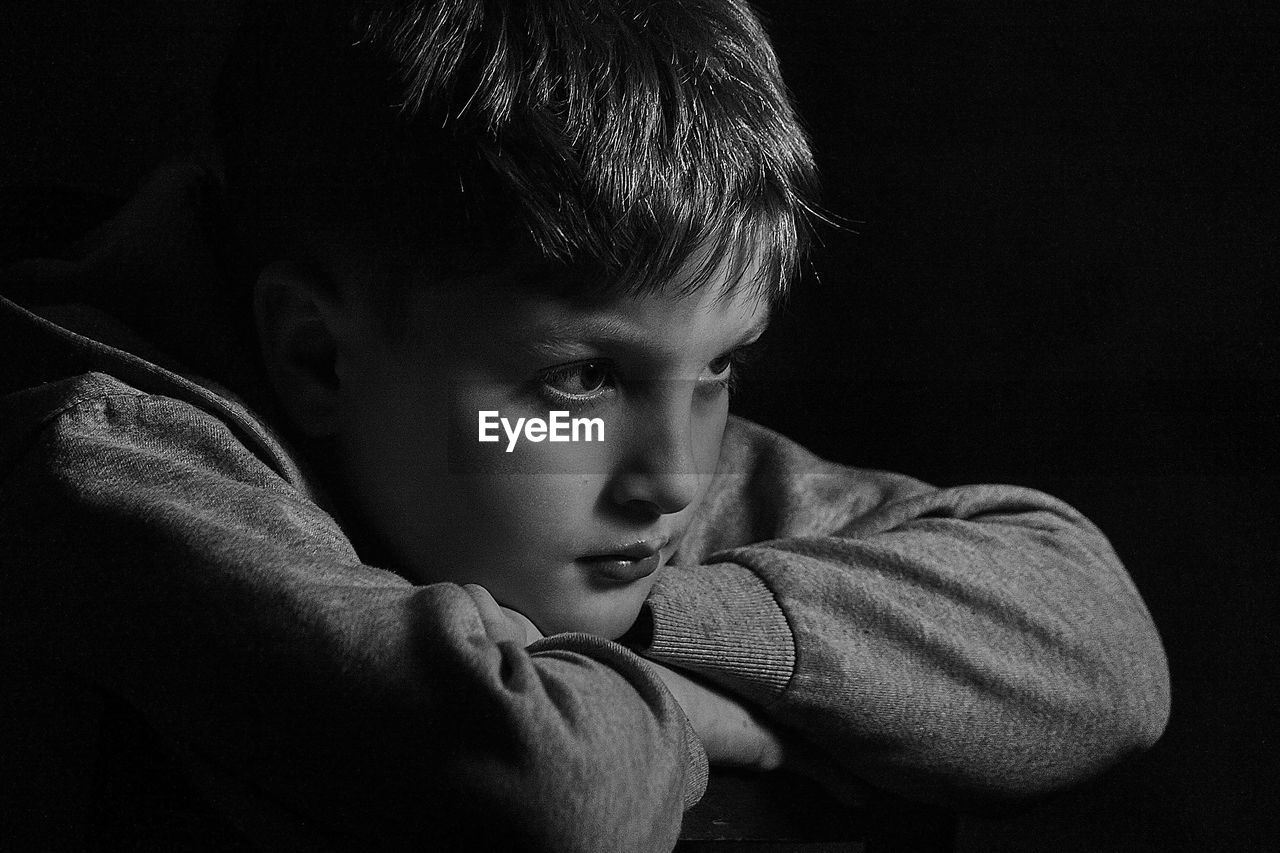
(389, 632)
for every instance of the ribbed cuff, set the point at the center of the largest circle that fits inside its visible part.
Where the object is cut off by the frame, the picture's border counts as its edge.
(721, 621)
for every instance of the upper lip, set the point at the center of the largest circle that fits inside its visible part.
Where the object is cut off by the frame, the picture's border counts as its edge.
(630, 551)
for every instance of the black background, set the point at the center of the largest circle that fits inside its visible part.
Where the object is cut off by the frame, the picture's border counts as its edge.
(1058, 269)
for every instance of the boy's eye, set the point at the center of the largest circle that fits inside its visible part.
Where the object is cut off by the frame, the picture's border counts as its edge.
(726, 371)
(586, 379)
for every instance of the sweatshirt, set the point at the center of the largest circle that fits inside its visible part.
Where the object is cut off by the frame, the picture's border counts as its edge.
(187, 631)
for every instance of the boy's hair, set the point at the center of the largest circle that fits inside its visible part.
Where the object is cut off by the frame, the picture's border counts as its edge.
(571, 143)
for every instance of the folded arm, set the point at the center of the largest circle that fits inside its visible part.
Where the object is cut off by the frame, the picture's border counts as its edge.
(148, 553)
(968, 646)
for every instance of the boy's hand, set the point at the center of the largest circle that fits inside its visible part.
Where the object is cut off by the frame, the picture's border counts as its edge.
(502, 624)
(732, 734)
(735, 736)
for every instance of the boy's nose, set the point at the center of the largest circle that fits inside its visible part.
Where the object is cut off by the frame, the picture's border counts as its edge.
(659, 472)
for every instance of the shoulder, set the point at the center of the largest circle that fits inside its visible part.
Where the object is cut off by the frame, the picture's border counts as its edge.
(87, 420)
(27, 413)
(771, 462)
(98, 460)
(766, 486)
(761, 470)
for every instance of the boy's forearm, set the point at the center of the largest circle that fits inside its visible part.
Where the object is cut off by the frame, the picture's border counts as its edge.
(963, 645)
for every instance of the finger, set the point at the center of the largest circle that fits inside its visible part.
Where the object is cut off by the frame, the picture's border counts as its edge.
(523, 623)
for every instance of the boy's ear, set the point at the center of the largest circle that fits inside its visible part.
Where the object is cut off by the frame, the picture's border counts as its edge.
(300, 332)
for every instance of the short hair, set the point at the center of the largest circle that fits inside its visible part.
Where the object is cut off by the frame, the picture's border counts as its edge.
(609, 141)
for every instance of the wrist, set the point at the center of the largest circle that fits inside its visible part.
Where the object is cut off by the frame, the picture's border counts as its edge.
(732, 733)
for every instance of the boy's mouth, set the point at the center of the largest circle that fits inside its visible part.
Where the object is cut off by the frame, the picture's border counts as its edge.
(627, 564)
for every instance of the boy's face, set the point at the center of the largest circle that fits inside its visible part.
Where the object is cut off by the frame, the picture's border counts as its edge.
(570, 533)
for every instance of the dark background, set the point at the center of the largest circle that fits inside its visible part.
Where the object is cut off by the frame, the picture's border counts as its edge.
(1058, 269)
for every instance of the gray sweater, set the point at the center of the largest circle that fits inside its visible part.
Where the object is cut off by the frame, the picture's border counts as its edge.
(164, 556)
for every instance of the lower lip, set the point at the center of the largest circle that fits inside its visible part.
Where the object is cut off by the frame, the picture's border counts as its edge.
(620, 571)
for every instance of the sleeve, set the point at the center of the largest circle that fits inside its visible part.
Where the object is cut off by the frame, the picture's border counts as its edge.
(970, 646)
(148, 552)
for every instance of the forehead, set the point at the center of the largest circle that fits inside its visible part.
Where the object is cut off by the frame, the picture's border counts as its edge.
(711, 290)
(656, 323)
(650, 321)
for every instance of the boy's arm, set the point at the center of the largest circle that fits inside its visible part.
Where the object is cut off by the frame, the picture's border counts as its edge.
(967, 645)
(147, 552)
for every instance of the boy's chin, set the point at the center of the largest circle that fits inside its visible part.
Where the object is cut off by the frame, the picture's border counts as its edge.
(608, 622)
